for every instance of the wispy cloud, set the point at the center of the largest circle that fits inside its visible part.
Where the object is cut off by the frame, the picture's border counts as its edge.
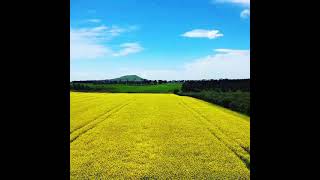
(246, 3)
(233, 52)
(202, 33)
(128, 48)
(240, 2)
(85, 43)
(245, 13)
(101, 32)
(116, 31)
(91, 43)
(224, 63)
(93, 20)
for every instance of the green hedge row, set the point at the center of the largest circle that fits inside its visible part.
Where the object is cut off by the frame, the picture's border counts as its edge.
(235, 100)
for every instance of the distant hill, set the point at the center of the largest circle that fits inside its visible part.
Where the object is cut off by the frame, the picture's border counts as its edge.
(127, 78)
(131, 78)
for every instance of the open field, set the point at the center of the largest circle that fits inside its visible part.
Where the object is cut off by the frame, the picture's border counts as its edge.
(123, 88)
(121, 136)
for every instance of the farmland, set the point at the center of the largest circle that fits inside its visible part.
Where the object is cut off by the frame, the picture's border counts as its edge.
(126, 88)
(161, 136)
(233, 94)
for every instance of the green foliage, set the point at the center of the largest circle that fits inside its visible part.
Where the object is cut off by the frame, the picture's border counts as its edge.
(235, 100)
(128, 78)
(124, 88)
(217, 85)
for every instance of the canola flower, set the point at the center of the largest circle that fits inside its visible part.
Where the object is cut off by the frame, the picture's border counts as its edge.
(157, 136)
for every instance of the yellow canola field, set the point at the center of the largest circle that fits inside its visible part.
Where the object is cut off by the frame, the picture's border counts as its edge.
(156, 136)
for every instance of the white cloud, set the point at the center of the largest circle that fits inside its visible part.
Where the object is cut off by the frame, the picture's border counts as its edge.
(225, 63)
(233, 52)
(85, 43)
(128, 48)
(202, 33)
(240, 2)
(91, 43)
(116, 31)
(81, 75)
(94, 20)
(245, 13)
(87, 50)
(101, 32)
(246, 3)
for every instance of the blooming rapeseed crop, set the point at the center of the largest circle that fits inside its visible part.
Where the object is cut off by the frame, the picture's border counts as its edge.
(121, 136)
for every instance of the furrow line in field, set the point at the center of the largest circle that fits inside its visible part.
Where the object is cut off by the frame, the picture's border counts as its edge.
(92, 124)
(208, 120)
(246, 149)
(100, 115)
(83, 99)
(84, 106)
(236, 116)
(225, 140)
(80, 99)
(90, 100)
(218, 127)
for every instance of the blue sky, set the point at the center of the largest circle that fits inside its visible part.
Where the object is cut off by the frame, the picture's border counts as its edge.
(160, 39)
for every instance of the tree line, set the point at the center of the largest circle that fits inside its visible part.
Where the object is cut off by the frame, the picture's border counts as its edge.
(142, 82)
(80, 86)
(107, 85)
(233, 94)
(217, 85)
